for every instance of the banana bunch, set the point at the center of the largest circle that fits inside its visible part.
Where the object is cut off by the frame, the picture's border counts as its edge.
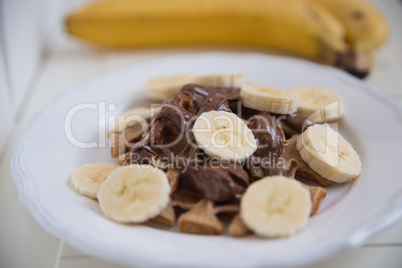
(335, 32)
(366, 29)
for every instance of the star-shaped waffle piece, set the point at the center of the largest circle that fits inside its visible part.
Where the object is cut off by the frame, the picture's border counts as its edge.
(303, 170)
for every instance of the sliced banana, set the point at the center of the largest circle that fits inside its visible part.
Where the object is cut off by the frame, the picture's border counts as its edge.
(320, 104)
(269, 99)
(134, 193)
(87, 179)
(220, 80)
(275, 206)
(134, 118)
(224, 135)
(164, 87)
(329, 154)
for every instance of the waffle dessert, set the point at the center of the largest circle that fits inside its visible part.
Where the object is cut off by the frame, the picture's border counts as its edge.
(221, 147)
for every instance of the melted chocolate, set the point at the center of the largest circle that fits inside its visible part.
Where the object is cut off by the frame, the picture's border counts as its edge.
(168, 138)
(297, 122)
(268, 135)
(217, 183)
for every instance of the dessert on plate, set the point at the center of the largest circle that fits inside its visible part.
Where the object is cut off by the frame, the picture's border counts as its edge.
(220, 146)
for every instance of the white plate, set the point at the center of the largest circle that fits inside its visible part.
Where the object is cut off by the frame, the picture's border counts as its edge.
(44, 160)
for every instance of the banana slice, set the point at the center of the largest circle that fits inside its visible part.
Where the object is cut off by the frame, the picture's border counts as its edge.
(275, 206)
(134, 118)
(163, 88)
(320, 104)
(134, 193)
(329, 154)
(220, 80)
(224, 135)
(269, 99)
(87, 179)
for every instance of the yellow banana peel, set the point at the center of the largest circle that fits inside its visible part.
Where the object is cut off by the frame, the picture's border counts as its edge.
(298, 27)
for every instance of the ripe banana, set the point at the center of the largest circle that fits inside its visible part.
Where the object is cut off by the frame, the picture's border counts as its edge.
(366, 30)
(366, 26)
(134, 193)
(224, 135)
(163, 88)
(320, 104)
(87, 179)
(269, 99)
(297, 27)
(329, 154)
(275, 206)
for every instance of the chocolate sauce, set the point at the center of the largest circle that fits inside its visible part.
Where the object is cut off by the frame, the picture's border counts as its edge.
(268, 135)
(217, 183)
(169, 138)
(297, 122)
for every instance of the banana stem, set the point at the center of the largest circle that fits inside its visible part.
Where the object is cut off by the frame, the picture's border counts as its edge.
(355, 62)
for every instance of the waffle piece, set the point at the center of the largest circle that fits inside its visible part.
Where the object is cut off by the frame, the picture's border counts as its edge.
(289, 132)
(317, 196)
(182, 197)
(201, 219)
(256, 173)
(120, 141)
(185, 198)
(173, 176)
(303, 170)
(230, 206)
(128, 128)
(237, 227)
(166, 217)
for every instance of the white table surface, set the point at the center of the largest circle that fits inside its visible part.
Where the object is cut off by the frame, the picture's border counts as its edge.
(66, 62)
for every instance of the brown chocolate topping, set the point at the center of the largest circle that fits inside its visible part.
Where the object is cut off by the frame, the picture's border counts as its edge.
(169, 136)
(217, 183)
(268, 135)
(169, 139)
(297, 122)
(269, 138)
